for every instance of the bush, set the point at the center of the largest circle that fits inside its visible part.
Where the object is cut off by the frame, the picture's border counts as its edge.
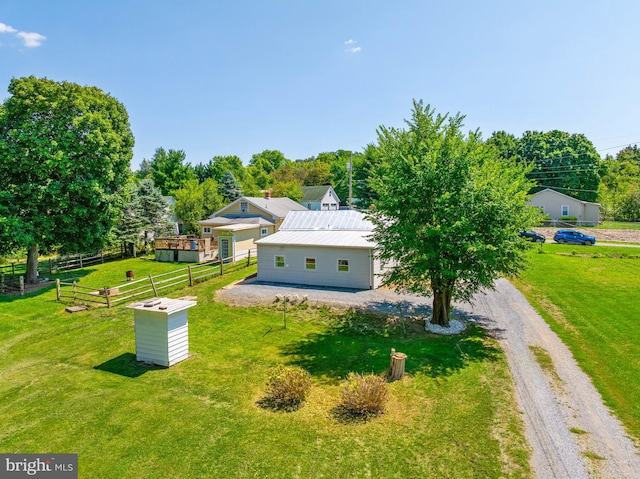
(287, 387)
(363, 395)
(568, 218)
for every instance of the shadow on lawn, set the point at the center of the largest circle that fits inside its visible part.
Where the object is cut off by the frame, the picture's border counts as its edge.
(126, 365)
(361, 341)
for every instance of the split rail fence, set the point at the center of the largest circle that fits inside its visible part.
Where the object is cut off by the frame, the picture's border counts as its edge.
(153, 285)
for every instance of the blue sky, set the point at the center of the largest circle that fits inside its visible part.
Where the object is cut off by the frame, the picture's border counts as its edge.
(308, 76)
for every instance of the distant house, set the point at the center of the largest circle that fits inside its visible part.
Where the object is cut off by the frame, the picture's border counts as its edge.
(321, 248)
(320, 198)
(555, 205)
(234, 228)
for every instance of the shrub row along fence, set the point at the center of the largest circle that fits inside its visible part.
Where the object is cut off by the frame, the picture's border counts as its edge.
(11, 274)
(153, 285)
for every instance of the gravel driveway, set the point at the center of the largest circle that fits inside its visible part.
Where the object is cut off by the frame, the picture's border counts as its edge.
(551, 406)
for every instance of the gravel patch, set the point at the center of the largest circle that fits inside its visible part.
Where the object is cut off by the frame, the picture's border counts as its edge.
(552, 408)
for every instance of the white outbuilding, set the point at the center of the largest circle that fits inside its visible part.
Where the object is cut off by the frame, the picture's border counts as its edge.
(162, 330)
(321, 248)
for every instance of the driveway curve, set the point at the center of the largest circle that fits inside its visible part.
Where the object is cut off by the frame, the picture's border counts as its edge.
(572, 434)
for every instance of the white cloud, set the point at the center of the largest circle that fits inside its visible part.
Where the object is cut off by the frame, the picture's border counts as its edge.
(31, 39)
(352, 46)
(4, 28)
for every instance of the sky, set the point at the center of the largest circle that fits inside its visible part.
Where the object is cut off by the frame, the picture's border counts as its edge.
(237, 77)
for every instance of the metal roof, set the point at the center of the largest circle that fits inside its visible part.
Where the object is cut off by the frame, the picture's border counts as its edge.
(341, 220)
(329, 238)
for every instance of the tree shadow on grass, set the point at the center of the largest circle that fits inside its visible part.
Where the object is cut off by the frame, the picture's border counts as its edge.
(126, 365)
(361, 341)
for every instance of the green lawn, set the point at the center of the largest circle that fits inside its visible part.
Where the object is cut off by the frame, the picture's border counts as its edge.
(591, 298)
(618, 225)
(70, 383)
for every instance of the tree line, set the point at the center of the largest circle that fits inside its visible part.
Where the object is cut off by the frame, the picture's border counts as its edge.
(66, 182)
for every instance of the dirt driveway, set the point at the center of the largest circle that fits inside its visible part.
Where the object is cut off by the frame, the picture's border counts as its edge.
(552, 406)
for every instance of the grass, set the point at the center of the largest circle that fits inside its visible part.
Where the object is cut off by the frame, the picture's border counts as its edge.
(590, 296)
(618, 225)
(69, 383)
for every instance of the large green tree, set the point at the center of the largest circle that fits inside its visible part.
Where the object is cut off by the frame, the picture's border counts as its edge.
(447, 212)
(65, 153)
(168, 169)
(620, 187)
(568, 163)
(195, 202)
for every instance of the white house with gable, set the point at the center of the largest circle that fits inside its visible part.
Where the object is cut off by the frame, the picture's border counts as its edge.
(321, 248)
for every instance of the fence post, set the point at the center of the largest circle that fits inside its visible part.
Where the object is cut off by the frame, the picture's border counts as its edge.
(155, 291)
(58, 289)
(1, 281)
(190, 275)
(249, 258)
(13, 269)
(221, 261)
(75, 290)
(102, 257)
(106, 296)
(21, 285)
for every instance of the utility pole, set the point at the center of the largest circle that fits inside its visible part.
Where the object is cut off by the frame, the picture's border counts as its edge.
(350, 180)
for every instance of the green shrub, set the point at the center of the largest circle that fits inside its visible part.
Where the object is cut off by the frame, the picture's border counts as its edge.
(287, 387)
(568, 218)
(363, 395)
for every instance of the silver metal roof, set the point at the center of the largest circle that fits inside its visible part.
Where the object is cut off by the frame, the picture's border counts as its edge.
(342, 220)
(329, 238)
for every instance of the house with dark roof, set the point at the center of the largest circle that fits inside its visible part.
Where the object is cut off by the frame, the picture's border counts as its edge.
(234, 228)
(320, 198)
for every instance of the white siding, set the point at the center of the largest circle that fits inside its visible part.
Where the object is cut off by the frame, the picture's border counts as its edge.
(161, 338)
(326, 272)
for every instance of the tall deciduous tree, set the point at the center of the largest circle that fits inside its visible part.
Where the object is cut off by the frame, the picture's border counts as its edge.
(169, 170)
(565, 162)
(65, 152)
(447, 212)
(195, 202)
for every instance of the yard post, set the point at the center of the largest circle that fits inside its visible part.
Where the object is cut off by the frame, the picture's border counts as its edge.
(106, 296)
(81, 260)
(221, 261)
(190, 275)
(50, 266)
(249, 259)
(396, 368)
(21, 285)
(155, 291)
(58, 289)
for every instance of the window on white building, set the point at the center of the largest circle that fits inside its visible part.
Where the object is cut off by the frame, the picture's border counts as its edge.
(244, 207)
(280, 262)
(343, 265)
(310, 263)
(565, 210)
(206, 230)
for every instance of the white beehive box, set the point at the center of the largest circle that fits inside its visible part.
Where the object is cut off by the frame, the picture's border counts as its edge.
(162, 330)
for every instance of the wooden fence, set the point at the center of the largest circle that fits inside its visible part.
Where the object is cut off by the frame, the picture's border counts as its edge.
(152, 285)
(10, 273)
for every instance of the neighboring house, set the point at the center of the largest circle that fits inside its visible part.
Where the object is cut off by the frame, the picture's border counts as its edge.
(556, 205)
(234, 228)
(320, 198)
(321, 248)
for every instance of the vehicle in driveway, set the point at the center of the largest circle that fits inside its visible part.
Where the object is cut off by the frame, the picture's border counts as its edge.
(532, 236)
(574, 237)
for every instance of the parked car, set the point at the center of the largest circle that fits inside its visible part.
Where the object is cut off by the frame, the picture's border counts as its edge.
(573, 236)
(532, 236)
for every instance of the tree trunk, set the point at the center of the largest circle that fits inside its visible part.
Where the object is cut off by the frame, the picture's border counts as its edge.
(396, 368)
(32, 264)
(441, 308)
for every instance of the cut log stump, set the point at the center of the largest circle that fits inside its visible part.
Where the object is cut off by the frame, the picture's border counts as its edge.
(396, 368)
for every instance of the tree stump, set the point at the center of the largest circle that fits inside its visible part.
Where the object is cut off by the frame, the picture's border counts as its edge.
(396, 368)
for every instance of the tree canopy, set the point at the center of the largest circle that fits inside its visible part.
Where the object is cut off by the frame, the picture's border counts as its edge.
(568, 163)
(446, 210)
(65, 153)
